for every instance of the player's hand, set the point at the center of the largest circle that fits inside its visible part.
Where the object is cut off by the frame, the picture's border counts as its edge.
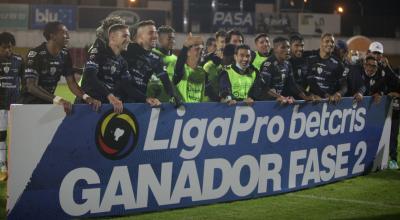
(153, 102)
(358, 97)
(290, 99)
(193, 40)
(282, 100)
(248, 101)
(94, 103)
(377, 98)
(394, 94)
(316, 98)
(231, 102)
(67, 106)
(118, 106)
(176, 101)
(335, 98)
(384, 61)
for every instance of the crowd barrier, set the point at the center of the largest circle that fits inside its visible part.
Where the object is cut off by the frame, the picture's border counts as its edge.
(92, 164)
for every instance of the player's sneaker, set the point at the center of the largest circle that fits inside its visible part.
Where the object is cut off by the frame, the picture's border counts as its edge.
(393, 165)
(3, 176)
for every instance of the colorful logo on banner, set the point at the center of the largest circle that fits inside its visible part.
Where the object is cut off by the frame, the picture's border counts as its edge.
(117, 134)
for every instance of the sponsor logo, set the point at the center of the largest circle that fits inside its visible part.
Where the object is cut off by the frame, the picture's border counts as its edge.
(117, 134)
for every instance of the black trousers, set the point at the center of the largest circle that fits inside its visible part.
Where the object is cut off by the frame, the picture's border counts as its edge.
(394, 132)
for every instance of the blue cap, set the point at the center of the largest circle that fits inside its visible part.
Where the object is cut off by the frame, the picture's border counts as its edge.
(341, 44)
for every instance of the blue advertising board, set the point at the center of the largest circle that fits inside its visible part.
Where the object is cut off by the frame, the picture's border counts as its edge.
(42, 14)
(147, 159)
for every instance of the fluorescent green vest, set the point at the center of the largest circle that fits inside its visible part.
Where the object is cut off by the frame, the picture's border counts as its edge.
(192, 85)
(258, 60)
(169, 60)
(240, 84)
(213, 72)
(155, 87)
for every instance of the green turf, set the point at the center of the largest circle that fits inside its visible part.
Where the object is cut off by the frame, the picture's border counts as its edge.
(375, 196)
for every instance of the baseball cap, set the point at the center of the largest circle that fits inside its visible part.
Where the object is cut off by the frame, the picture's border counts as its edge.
(376, 47)
(341, 44)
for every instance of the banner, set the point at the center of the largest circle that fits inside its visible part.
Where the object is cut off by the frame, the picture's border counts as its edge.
(316, 24)
(93, 164)
(14, 16)
(271, 23)
(42, 14)
(92, 17)
(242, 21)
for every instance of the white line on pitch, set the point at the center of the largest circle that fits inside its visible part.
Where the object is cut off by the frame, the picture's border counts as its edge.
(345, 200)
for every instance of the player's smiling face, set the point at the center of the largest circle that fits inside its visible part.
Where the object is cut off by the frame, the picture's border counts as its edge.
(61, 37)
(167, 40)
(147, 37)
(282, 51)
(327, 44)
(263, 45)
(297, 48)
(243, 57)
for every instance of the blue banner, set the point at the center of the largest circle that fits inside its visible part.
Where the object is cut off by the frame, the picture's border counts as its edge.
(42, 14)
(147, 159)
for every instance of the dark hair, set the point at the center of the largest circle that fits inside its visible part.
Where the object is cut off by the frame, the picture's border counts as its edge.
(323, 35)
(258, 36)
(278, 40)
(110, 21)
(209, 41)
(6, 38)
(220, 34)
(295, 37)
(165, 29)
(233, 32)
(370, 57)
(51, 28)
(242, 46)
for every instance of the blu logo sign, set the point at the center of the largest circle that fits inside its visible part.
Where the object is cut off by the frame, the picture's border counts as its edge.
(42, 14)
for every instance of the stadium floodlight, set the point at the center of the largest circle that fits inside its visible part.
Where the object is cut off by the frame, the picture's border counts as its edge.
(340, 9)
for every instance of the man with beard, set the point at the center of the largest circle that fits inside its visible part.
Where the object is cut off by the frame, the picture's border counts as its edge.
(298, 60)
(106, 75)
(237, 80)
(45, 65)
(326, 75)
(143, 63)
(11, 71)
(362, 79)
(276, 79)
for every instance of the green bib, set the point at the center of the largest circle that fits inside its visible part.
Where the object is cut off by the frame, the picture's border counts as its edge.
(191, 87)
(258, 60)
(155, 87)
(240, 84)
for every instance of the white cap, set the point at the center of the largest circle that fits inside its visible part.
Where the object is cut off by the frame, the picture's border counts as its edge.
(376, 47)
